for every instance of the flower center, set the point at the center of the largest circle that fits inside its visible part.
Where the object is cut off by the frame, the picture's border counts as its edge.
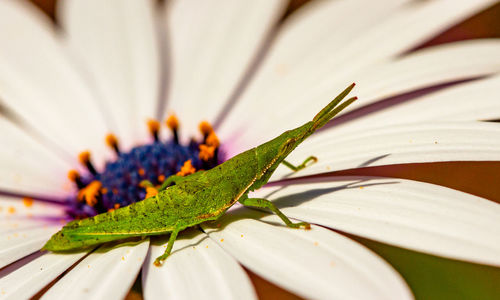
(122, 181)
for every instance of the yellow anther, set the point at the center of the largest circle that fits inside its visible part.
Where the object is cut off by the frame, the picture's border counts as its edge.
(150, 192)
(112, 143)
(186, 169)
(205, 128)
(212, 140)
(73, 175)
(206, 152)
(90, 192)
(172, 122)
(153, 126)
(111, 140)
(84, 157)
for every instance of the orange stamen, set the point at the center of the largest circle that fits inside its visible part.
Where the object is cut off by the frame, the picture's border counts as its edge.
(27, 201)
(153, 125)
(186, 169)
(141, 172)
(172, 122)
(104, 190)
(90, 192)
(205, 128)
(73, 175)
(111, 140)
(154, 128)
(161, 178)
(206, 152)
(212, 140)
(84, 157)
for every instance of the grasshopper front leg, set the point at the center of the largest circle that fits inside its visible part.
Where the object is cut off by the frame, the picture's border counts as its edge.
(173, 236)
(263, 203)
(302, 165)
(171, 179)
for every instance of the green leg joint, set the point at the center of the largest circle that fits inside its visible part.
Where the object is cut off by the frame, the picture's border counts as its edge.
(302, 165)
(263, 203)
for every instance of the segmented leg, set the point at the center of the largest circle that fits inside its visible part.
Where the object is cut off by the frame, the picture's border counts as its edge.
(173, 236)
(263, 203)
(302, 165)
(146, 184)
(171, 179)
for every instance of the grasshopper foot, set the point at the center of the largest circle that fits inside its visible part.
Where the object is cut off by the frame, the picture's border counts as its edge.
(160, 259)
(173, 235)
(304, 225)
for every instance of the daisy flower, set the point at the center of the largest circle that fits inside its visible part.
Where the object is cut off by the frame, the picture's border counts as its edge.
(112, 65)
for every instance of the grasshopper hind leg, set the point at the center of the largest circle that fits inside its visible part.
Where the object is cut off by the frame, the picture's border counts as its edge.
(264, 203)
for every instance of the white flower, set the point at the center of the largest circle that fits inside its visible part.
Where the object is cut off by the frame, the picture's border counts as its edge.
(234, 64)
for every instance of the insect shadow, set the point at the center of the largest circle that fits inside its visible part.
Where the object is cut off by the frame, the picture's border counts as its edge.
(372, 160)
(296, 199)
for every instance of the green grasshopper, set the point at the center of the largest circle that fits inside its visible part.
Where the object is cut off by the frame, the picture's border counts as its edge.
(199, 197)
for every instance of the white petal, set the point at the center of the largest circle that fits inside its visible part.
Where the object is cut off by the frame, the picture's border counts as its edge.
(41, 86)
(311, 36)
(428, 67)
(107, 273)
(315, 263)
(404, 143)
(318, 79)
(25, 227)
(408, 214)
(20, 243)
(118, 44)
(212, 45)
(26, 164)
(472, 101)
(25, 282)
(16, 214)
(197, 269)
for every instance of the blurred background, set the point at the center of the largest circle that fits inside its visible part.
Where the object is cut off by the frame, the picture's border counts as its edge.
(429, 277)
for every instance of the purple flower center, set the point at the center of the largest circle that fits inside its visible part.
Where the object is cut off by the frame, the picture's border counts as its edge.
(119, 182)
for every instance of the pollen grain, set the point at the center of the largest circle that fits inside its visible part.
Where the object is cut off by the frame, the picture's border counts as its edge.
(186, 169)
(90, 193)
(27, 201)
(206, 152)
